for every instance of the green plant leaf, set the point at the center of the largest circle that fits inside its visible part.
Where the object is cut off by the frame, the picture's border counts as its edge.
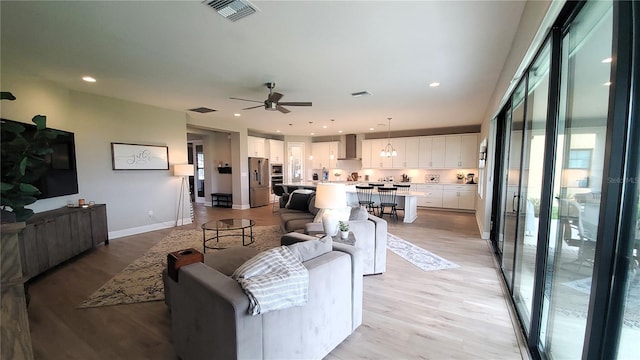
(23, 214)
(23, 165)
(6, 95)
(40, 121)
(29, 189)
(5, 187)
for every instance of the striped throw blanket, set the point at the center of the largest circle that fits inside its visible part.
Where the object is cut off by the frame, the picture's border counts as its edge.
(274, 279)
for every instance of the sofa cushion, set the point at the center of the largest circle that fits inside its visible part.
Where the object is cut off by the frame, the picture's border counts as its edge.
(307, 250)
(312, 204)
(299, 200)
(358, 213)
(228, 260)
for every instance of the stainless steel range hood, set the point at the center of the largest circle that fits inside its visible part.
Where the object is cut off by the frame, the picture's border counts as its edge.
(351, 144)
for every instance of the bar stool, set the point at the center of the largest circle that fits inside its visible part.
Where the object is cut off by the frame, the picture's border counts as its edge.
(365, 198)
(388, 200)
(278, 191)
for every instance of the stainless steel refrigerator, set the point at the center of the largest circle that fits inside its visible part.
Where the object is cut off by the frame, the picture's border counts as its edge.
(258, 181)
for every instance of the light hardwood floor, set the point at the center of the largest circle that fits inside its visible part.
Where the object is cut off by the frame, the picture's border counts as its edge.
(409, 313)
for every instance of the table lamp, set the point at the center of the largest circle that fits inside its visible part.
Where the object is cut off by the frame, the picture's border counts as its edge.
(182, 170)
(330, 197)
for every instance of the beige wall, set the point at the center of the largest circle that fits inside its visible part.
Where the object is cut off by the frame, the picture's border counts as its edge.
(97, 121)
(533, 25)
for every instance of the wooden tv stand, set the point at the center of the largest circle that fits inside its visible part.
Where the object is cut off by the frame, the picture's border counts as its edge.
(52, 237)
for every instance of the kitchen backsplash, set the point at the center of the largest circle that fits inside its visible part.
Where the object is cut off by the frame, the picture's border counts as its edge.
(444, 176)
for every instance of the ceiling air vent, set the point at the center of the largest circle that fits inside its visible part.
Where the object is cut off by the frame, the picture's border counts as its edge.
(233, 10)
(360, 93)
(202, 110)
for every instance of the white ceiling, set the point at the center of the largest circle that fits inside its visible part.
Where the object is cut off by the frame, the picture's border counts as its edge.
(182, 54)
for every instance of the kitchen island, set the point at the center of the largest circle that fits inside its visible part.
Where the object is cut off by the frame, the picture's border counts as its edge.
(406, 200)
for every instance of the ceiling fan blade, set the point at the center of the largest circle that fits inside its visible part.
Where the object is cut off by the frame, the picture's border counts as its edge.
(296, 103)
(282, 110)
(233, 98)
(275, 96)
(253, 107)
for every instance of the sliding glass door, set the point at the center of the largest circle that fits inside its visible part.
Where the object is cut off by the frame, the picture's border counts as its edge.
(530, 189)
(578, 180)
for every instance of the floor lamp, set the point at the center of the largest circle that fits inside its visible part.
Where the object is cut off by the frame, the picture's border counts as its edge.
(183, 171)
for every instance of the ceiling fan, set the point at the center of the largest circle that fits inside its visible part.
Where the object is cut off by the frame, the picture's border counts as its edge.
(273, 102)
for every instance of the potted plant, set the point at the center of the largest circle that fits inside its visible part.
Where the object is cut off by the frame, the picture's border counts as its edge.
(344, 229)
(460, 176)
(23, 162)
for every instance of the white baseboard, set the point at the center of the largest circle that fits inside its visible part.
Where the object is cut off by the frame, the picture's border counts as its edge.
(483, 234)
(146, 228)
(241, 207)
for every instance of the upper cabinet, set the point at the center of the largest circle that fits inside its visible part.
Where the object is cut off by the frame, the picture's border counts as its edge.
(461, 151)
(255, 146)
(424, 152)
(407, 149)
(325, 154)
(276, 151)
(431, 152)
(367, 154)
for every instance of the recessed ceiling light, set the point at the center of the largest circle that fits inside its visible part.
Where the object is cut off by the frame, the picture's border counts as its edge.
(236, 114)
(277, 131)
(324, 126)
(608, 83)
(370, 129)
(89, 79)
(434, 84)
(313, 133)
(339, 131)
(606, 61)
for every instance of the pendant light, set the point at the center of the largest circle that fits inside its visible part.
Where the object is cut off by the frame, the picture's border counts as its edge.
(388, 150)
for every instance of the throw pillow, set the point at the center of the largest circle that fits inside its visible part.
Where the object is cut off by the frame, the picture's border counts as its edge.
(358, 213)
(310, 249)
(300, 199)
(312, 204)
(318, 217)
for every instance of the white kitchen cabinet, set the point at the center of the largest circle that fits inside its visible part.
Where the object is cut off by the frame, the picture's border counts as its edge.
(459, 197)
(366, 154)
(469, 151)
(432, 195)
(461, 151)
(431, 150)
(325, 154)
(255, 146)
(276, 151)
(407, 149)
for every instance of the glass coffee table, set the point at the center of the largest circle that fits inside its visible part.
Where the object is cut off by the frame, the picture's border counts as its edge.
(227, 228)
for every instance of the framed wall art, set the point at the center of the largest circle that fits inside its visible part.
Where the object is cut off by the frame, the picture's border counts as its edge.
(139, 157)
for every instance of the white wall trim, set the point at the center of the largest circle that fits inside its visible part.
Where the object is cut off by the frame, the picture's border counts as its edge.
(146, 228)
(483, 234)
(241, 207)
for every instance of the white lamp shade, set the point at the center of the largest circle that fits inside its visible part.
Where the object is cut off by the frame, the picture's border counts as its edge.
(331, 196)
(183, 170)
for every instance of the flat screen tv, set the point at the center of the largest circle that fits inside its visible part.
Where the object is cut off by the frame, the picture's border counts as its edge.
(61, 175)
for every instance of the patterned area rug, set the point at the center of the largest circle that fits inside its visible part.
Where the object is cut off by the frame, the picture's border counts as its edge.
(141, 280)
(418, 256)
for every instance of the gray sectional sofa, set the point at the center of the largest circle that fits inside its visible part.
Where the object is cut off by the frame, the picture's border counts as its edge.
(370, 231)
(209, 309)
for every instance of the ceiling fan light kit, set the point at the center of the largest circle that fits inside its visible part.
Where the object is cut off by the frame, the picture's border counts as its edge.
(273, 101)
(388, 150)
